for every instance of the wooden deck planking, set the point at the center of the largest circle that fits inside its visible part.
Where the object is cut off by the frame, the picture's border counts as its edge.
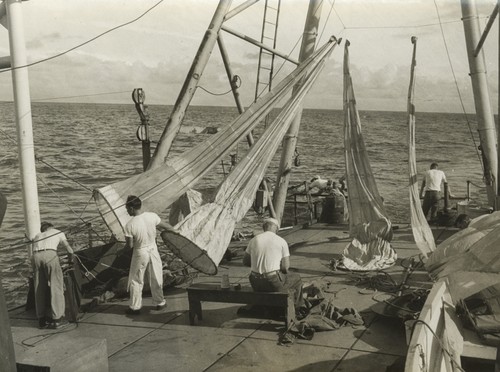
(224, 339)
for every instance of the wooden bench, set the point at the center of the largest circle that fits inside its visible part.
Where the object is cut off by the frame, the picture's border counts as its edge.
(244, 295)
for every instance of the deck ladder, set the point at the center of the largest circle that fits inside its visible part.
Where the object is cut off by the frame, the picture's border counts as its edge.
(269, 33)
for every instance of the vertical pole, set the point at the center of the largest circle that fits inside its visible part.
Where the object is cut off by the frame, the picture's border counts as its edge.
(290, 140)
(486, 125)
(22, 105)
(190, 85)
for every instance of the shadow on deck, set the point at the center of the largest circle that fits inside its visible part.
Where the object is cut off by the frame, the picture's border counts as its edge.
(225, 341)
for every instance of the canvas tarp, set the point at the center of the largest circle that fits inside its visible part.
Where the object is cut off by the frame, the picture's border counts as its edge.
(469, 259)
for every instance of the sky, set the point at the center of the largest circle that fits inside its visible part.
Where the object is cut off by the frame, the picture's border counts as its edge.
(155, 51)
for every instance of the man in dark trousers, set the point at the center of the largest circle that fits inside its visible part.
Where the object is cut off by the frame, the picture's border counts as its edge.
(268, 256)
(432, 186)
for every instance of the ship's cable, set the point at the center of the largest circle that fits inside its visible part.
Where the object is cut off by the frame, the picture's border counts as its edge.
(85, 42)
(327, 18)
(236, 82)
(80, 96)
(40, 159)
(443, 348)
(456, 85)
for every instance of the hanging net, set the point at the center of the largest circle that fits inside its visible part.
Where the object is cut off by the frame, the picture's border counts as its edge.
(158, 188)
(369, 226)
(202, 238)
(422, 233)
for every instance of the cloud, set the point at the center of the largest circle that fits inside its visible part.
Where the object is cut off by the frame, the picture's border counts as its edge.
(156, 52)
(41, 41)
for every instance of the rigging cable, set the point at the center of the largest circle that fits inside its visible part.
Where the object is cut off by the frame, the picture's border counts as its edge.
(40, 159)
(85, 42)
(327, 18)
(236, 82)
(80, 96)
(79, 216)
(438, 339)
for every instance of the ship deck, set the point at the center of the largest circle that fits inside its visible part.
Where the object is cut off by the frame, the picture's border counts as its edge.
(225, 341)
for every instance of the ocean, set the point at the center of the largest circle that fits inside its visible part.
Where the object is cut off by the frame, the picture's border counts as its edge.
(81, 147)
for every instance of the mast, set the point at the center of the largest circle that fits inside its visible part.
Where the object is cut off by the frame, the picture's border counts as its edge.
(190, 85)
(486, 123)
(290, 141)
(22, 106)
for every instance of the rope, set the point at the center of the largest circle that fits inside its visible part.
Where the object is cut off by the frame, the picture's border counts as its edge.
(40, 159)
(67, 230)
(443, 348)
(80, 96)
(215, 94)
(478, 186)
(456, 85)
(236, 79)
(58, 197)
(381, 281)
(85, 42)
(46, 335)
(327, 18)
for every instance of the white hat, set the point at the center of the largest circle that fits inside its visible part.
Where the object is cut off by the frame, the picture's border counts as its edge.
(272, 221)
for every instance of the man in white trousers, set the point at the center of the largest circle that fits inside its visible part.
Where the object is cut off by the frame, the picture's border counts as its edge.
(140, 235)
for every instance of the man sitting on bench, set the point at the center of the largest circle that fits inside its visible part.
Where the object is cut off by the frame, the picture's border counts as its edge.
(269, 257)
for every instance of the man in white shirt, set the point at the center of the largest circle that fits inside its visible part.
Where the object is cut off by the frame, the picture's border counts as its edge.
(269, 258)
(48, 276)
(432, 186)
(140, 235)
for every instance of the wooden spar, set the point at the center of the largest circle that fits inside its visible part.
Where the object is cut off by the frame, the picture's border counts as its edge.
(240, 8)
(230, 76)
(22, 105)
(259, 44)
(190, 85)
(486, 124)
(486, 30)
(290, 140)
(239, 105)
